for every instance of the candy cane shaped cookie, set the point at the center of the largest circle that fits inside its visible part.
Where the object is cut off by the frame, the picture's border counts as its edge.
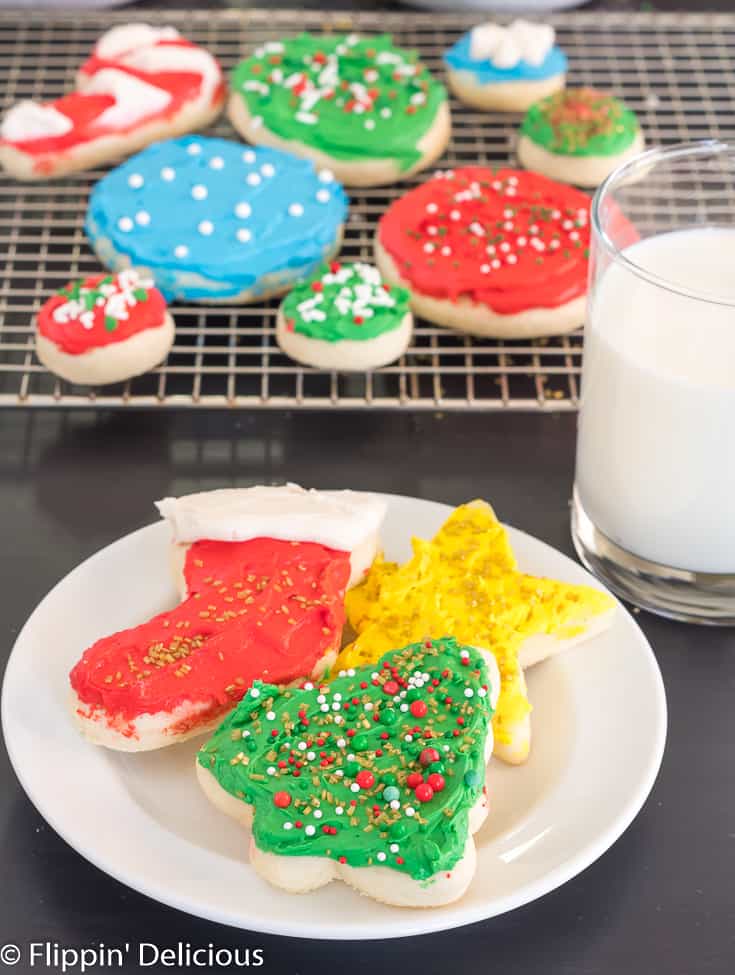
(141, 84)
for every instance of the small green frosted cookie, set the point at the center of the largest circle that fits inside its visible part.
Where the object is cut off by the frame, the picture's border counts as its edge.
(579, 136)
(344, 317)
(377, 778)
(367, 110)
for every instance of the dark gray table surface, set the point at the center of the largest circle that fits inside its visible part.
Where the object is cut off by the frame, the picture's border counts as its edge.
(661, 901)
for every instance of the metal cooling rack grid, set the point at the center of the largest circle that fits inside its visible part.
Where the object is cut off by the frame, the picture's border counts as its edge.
(676, 71)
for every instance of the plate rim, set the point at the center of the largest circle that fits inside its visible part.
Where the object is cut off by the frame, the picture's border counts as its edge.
(526, 893)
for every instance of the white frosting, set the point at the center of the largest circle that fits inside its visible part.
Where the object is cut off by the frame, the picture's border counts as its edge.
(29, 120)
(178, 58)
(129, 37)
(342, 520)
(504, 47)
(134, 99)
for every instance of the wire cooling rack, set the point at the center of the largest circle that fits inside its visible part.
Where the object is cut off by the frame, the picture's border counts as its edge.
(676, 71)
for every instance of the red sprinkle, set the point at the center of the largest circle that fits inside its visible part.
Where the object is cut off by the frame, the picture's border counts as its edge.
(365, 779)
(429, 755)
(424, 792)
(282, 799)
(414, 779)
(418, 709)
(436, 781)
(390, 687)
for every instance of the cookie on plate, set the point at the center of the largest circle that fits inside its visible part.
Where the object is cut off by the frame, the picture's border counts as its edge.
(361, 107)
(344, 317)
(495, 254)
(269, 606)
(363, 779)
(579, 136)
(141, 84)
(104, 329)
(506, 68)
(215, 221)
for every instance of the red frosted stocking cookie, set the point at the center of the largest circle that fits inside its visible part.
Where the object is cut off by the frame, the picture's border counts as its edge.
(104, 329)
(141, 84)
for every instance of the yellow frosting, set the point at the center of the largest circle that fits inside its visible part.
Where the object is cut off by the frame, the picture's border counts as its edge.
(465, 583)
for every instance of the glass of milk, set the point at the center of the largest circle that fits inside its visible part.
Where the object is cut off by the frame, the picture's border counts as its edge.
(654, 496)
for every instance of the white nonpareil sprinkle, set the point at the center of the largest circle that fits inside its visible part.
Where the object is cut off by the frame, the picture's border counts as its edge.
(339, 810)
(125, 224)
(380, 856)
(310, 830)
(317, 814)
(181, 250)
(432, 208)
(199, 192)
(217, 162)
(254, 692)
(253, 179)
(271, 770)
(194, 149)
(296, 210)
(394, 848)
(248, 156)
(244, 235)
(301, 746)
(484, 268)
(168, 174)
(326, 176)
(135, 181)
(142, 218)
(410, 811)
(268, 170)
(468, 692)
(481, 692)
(323, 196)
(243, 211)
(354, 787)
(395, 804)
(206, 227)
(288, 825)
(320, 699)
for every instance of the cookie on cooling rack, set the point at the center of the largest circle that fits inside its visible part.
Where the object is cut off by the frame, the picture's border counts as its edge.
(362, 107)
(141, 84)
(344, 317)
(579, 136)
(104, 329)
(506, 68)
(496, 254)
(215, 221)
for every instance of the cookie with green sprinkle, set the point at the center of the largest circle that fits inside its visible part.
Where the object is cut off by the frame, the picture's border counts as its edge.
(345, 317)
(359, 106)
(377, 778)
(579, 136)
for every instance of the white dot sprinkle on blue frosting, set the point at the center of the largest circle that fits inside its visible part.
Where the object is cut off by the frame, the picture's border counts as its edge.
(193, 148)
(135, 181)
(326, 176)
(248, 156)
(142, 218)
(125, 224)
(253, 179)
(217, 162)
(268, 170)
(296, 210)
(206, 227)
(323, 196)
(243, 210)
(181, 251)
(199, 192)
(168, 174)
(244, 235)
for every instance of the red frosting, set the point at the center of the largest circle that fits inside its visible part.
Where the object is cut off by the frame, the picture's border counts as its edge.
(84, 110)
(257, 609)
(511, 240)
(71, 335)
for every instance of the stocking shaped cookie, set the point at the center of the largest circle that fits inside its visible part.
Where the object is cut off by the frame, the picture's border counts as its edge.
(268, 605)
(141, 84)
(377, 779)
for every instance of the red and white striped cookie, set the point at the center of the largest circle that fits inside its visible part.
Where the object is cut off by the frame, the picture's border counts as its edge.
(141, 84)
(104, 329)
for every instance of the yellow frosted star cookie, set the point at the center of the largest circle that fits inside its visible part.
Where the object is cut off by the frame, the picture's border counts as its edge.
(465, 582)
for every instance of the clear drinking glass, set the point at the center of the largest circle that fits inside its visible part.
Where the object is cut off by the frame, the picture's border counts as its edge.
(654, 497)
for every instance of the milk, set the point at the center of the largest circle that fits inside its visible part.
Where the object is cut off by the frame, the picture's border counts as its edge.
(656, 448)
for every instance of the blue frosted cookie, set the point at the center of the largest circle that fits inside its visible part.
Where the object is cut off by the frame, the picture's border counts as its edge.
(216, 221)
(506, 69)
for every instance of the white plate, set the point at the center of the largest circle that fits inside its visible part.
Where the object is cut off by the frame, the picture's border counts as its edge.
(599, 727)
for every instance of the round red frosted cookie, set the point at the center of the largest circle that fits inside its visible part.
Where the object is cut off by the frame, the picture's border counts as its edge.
(496, 254)
(104, 329)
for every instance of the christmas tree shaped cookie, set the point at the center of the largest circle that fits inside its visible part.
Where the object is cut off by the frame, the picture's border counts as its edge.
(377, 778)
(466, 581)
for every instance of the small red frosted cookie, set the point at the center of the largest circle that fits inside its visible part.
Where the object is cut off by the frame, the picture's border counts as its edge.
(141, 84)
(104, 329)
(266, 608)
(498, 254)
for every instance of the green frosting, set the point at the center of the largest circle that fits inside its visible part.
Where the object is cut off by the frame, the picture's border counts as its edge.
(345, 301)
(353, 98)
(332, 771)
(581, 122)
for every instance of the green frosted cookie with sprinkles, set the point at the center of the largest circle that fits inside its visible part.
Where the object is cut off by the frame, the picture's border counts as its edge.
(579, 135)
(359, 106)
(345, 317)
(377, 778)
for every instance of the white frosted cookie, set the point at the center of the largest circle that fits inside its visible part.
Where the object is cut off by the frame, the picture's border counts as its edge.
(499, 254)
(506, 69)
(141, 84)
(214, 221)
(579, 136)
(363, 779)
(359, 106)
(345, 317)
(104, 329)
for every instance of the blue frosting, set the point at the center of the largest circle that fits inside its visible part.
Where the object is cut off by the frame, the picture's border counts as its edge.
(458, 58)
(212, 218)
